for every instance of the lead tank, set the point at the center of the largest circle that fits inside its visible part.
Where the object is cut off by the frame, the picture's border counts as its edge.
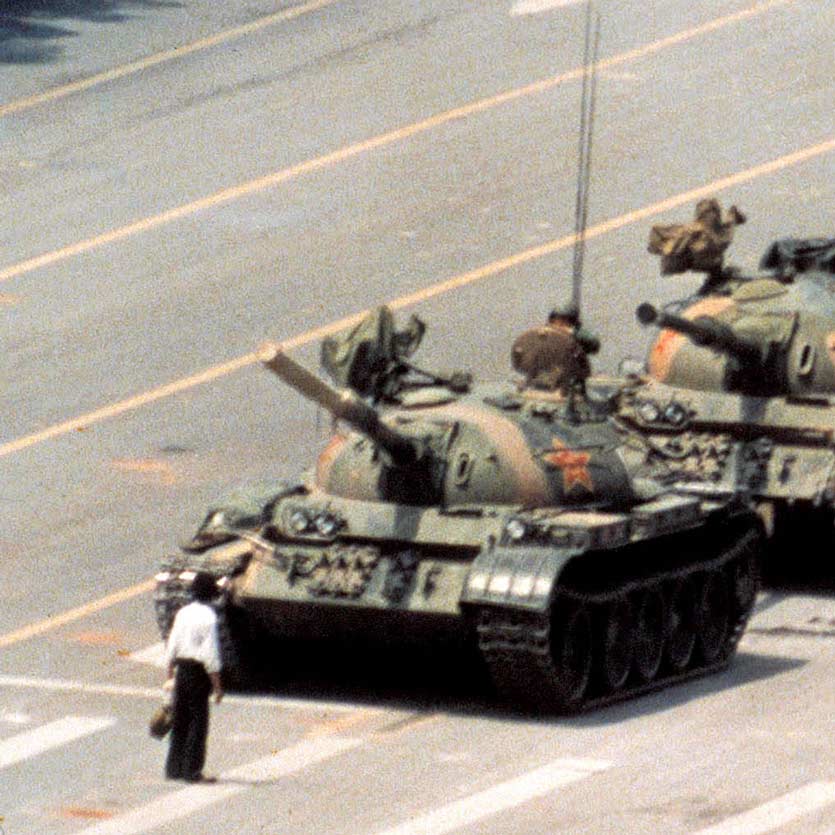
(507, 520)
(740, 390)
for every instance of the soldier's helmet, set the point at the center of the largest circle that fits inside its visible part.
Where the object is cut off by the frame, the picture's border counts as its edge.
(567, 312)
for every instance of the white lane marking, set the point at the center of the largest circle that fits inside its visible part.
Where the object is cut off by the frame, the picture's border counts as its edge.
(277, 702)
(16, 718)
(179, 804)
(153, 655)
(52, 735)
(497, 799)
(537, 6)
(776, 813)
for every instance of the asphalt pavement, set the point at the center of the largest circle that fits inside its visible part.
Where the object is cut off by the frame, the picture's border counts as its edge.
(183, 181)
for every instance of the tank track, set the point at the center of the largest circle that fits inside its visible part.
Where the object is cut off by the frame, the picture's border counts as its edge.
(592, 649)
(233, 626)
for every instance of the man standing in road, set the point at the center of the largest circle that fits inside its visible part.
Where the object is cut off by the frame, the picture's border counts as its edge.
(193, 656)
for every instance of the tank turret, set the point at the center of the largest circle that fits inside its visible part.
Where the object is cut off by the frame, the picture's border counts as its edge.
(706, 331)
(434, 446)
(345, 405)
(763, 338)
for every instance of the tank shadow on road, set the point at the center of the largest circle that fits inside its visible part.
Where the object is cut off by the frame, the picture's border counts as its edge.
(746, 668)
(403, 679)
(31, 31)
(456, 684)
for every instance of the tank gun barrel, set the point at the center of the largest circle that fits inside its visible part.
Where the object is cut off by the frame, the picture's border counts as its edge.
(343, 404)
(705, 331)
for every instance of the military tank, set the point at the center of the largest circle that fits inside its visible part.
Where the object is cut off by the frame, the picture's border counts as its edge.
(740, 386)
(523, 525)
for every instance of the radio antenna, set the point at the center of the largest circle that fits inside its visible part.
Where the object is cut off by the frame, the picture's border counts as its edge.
(587, 104)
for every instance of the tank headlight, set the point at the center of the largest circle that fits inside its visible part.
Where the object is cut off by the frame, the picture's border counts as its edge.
(675, 414)
(299, 521)
(326, 524)
(516, 530)
(648, 411)
(561, 537)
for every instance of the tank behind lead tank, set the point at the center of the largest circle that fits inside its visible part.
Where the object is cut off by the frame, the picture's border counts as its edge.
(740, 393)
(488, 516)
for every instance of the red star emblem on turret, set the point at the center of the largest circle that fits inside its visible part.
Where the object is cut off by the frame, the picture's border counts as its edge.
(574, 466)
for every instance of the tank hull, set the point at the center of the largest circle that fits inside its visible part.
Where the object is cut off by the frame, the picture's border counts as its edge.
(584, 609)
(778, 451)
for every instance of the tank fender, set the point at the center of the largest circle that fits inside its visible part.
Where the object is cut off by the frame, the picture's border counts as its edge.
(516, 577)
(244, 509)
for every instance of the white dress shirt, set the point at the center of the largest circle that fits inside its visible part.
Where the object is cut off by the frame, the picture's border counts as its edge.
(194, 636)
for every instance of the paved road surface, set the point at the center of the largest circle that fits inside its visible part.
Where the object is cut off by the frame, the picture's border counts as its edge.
(183, 181)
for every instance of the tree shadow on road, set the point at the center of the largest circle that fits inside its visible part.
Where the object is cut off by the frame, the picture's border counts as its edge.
(32, 31)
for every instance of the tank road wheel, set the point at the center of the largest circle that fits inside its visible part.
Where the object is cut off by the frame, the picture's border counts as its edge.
(649, 629)
(714, 616)
(616, 648)
(571, 650)
(745, 581)
(682, 623)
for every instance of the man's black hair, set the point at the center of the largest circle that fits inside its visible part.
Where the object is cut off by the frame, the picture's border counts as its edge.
(203, 587)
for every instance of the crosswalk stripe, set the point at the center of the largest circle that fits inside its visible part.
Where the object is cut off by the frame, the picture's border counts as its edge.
(500, 797)
(776, 813)
(155, 693)
(525, 7)
(153, 655)
(179, 804)
(28, 744)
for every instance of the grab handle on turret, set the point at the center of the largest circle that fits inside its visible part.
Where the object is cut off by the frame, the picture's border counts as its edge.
(705, 331)
(343, 404)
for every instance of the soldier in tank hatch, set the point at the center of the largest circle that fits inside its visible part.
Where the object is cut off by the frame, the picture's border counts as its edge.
(698, 246)
(555, 356)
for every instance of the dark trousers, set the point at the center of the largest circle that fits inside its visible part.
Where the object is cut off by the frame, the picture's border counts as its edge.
(190, 727)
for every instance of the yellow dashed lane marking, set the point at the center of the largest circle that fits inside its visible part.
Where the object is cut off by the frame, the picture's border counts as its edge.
(85, 812)
(328, 160)
(160, 471)
(47, 624)
(342, 723)
(97, 639)
(161, 57)
(462, 280)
